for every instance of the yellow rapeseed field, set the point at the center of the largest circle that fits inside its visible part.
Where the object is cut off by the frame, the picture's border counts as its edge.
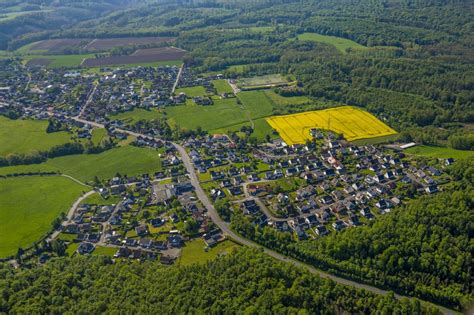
(353, 123)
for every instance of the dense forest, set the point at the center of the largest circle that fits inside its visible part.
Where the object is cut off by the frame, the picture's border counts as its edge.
(245, 281)
(424, 248)
(24, 21)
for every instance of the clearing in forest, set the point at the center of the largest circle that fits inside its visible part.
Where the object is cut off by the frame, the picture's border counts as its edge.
(353, 123)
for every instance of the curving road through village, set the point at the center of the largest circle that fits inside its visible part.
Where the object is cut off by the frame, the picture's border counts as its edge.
(212, 213)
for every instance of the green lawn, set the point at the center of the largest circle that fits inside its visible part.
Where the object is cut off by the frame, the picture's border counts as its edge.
(127, 160)
(439, 152)
(222, 113)
(342, 44)
(277, 99)
(96, 199)
(261, 130)
(104, 251)
(222, 86)
(225, 114)
(193, 252)
(23, 136)
(71, 249)
(192, 91)
(256, 103)
(138, 114)
(28, 207)
(98, 135)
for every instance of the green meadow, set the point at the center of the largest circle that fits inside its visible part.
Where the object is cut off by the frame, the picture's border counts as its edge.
(224, 112)
(192, 91)
(28, 207)
(138, 114)
(226, 115)
(439, 152)
(23, 136)
(280, 100)
(222, 86)
(194, 251)
(342, 44)
(127, 160)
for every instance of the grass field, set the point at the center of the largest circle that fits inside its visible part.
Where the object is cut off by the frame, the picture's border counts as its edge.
(262, 81)
(138, 114)
(439, 152)
(261, 130)
(23, 136)
(28, 207)
(98, 135)
(277, 99)
(96, 199)
(222, 113)
(351, 122)
(192, 91)
(104, 251)
(256, 103)
(126, 160)
(342, 44)
(193, 252)
(222, 86)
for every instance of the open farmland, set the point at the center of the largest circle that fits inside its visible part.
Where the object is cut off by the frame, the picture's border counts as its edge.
(56, 61)
(127, 160)
(224, 112)
(101, 44)
(351, 122)
(28, 207)
(24, 136)
(58, 45)
(141, 56)
(93, 45)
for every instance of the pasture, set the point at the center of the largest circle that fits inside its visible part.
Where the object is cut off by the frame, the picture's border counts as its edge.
(341, 44)
(280, 100)
(222, 113)
(192, 91)
(24, 136)
(439, 152)
(127, 160)
(222, 86)
(28, 207)
(353, 123)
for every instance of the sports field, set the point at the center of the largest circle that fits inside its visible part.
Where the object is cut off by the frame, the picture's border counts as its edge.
(262, 81)
(353, 123)
(28, 207)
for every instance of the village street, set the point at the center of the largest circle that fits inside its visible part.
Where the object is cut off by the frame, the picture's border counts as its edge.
(224, 226)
